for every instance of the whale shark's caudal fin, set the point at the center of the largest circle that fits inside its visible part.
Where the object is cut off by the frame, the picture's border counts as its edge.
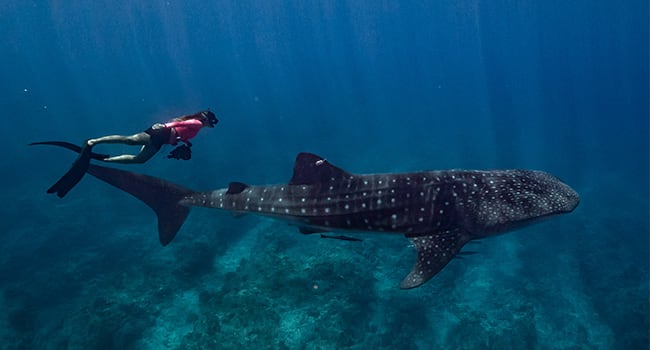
(161, 196)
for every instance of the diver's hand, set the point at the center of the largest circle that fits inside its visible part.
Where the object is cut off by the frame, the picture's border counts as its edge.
(181, 152)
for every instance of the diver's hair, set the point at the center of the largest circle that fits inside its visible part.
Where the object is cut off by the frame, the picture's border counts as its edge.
(197, 116)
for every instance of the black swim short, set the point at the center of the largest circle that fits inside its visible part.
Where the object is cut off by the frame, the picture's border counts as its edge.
(159, 135)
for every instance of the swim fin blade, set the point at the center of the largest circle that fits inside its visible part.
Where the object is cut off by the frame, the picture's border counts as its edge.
(72, 147)
(74, 175)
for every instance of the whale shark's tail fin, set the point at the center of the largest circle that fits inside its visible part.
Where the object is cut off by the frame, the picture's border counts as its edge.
(161, 196)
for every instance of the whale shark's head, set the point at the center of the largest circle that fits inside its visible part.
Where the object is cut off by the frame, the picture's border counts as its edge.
(548, 193)
(514, 198)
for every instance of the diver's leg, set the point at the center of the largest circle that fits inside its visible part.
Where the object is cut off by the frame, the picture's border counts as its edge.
(141, 138)
(145, 154)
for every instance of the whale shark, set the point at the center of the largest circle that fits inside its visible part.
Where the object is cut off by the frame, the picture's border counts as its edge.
(439, 211)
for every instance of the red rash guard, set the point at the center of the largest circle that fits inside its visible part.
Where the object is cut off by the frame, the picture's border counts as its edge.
(183, 130)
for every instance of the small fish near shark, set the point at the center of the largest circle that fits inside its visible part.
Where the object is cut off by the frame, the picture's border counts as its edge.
(439, 211)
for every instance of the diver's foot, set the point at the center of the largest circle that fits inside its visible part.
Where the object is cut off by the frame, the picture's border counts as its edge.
(90, 142)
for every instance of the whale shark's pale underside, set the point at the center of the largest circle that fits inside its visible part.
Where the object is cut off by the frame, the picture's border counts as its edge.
(439, 211)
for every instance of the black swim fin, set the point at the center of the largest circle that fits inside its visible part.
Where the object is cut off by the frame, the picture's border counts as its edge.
(72, 147)
(74, 175)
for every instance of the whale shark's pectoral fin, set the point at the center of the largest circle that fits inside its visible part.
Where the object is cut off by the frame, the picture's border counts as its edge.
(434, 253)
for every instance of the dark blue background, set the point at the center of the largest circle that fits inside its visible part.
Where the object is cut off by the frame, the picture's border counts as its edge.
(372, 86)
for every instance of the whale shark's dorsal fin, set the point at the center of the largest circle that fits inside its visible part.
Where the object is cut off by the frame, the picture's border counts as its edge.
(312, 169)
(236, 188)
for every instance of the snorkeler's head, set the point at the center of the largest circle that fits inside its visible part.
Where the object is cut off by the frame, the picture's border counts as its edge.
(210, 118)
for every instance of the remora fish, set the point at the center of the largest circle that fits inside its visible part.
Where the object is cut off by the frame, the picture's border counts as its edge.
(439, 211)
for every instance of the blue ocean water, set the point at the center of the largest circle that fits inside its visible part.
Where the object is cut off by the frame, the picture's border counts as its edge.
(373, 87)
